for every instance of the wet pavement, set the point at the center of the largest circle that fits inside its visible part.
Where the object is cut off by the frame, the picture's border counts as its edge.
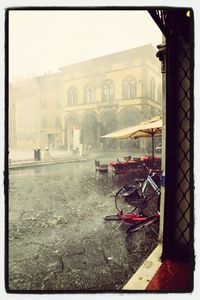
(28, 155)
(58, 238)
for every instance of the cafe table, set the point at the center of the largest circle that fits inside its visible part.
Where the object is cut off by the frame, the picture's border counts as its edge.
(123, 167)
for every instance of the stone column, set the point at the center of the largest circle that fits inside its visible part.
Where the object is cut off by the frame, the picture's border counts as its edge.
(161, 54)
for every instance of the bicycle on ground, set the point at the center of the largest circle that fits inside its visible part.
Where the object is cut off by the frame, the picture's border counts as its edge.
(131, 201)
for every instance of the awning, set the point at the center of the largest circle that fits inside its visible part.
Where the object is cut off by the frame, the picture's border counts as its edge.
(150, 128)
(144, 129)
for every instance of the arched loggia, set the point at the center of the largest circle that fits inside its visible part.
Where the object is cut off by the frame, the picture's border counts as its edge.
(89, 130)
(71, 120)
(129, 117)
(108, 123)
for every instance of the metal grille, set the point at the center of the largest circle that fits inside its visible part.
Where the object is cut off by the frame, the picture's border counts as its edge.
(182, 224)
(180, 99)
(177, 26)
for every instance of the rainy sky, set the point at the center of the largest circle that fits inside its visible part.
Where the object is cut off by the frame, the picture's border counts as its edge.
(42, 41)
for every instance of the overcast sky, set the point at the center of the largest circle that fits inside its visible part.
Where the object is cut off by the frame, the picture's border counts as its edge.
(42, 41)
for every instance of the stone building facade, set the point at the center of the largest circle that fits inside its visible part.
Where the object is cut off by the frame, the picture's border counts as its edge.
(98, 96)
(51, 110)
(24, 113)
(109, 93)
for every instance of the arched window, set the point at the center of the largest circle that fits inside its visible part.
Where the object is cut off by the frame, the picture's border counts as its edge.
(72, 96)
(129, 87)
(108, 90)
(89, 94)
(152, 88)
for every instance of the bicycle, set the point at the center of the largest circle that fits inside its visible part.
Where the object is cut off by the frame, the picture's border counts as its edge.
(130, 199)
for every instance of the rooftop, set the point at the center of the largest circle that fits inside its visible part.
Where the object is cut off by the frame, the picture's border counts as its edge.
(110, 58)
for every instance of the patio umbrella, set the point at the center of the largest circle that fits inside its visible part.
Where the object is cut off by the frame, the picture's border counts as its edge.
(150, 128)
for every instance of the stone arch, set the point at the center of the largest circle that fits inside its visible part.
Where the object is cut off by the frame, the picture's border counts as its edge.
(108, 122)
(153, 112)
(89, 129)
(88, 112)
(71, 119)
(129, 116)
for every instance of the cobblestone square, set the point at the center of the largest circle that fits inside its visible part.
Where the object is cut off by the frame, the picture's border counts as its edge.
(58, 238)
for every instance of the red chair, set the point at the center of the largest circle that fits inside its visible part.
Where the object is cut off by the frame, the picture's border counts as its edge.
(101, 169)
(119, 169)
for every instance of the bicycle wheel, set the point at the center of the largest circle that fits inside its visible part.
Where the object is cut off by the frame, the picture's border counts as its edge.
(121, 204)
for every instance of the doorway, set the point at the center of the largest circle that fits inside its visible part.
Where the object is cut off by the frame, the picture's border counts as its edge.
(51, 140)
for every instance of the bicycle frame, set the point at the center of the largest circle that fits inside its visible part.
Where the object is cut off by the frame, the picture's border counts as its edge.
(135, 221)
(139, 196)
(149, 182)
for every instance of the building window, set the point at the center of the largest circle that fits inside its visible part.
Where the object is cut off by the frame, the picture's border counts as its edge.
(44, 123)
(108, 90)
(152, 88)
(89, 94)
(72, 96)
(129, 87)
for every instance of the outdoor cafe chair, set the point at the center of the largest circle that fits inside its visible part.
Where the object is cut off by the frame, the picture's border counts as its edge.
(119, 169)
(100, 169)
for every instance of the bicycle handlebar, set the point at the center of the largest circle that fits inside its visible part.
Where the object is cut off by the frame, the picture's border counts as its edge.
(158, 171)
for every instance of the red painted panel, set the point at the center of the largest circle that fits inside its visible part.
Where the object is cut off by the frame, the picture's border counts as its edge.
(171, 276)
